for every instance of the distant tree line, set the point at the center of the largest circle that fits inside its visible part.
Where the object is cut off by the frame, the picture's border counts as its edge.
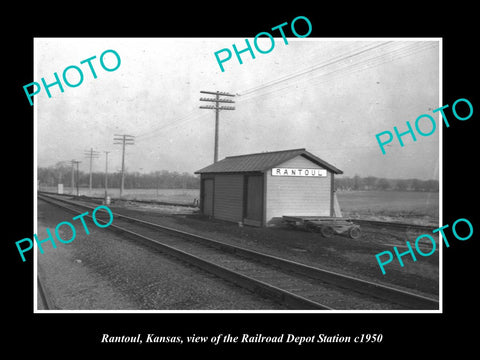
(62, 174)
(374, 183)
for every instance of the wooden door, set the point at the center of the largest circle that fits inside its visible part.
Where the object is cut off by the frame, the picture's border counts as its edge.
(208, 197)
(254, 200)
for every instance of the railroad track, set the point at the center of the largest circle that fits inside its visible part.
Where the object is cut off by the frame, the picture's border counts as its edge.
(46, 300)
(100, 199)
(290, 283)
(377, 223)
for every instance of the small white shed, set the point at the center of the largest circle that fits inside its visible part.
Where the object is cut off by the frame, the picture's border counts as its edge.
(258, 189)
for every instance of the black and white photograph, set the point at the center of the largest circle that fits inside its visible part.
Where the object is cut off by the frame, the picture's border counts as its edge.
(253, 186)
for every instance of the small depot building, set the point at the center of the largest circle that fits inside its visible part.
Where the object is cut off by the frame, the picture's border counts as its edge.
(258, 189)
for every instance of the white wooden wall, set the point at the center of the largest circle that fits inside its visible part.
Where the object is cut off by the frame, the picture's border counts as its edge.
(298, 196)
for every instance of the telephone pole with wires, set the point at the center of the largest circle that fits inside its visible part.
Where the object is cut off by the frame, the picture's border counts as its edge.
(75, 162)
(92, 155)
(123, 140)
(106, 177)
(217, 100)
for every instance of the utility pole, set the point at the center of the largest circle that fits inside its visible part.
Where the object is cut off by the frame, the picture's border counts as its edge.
(123, 140)
(73, 163)
(92, 155)
(217, 100)
(73, 175)
(106, 175)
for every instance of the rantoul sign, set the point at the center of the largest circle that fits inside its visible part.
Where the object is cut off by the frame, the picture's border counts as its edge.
(299, 172)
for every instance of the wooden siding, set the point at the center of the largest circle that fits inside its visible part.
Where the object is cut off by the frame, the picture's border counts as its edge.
(299, 196)
(207, 196)
(228, 199)
(253, 200)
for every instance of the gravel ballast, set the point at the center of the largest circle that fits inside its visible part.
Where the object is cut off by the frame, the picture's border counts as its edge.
(104, 271)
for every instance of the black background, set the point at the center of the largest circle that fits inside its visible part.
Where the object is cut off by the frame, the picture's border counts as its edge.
(407, 335)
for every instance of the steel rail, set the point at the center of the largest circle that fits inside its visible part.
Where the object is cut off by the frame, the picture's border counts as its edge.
(358, 221)
(384, 292)
(156, 202)
(401, 297)
(47, 303)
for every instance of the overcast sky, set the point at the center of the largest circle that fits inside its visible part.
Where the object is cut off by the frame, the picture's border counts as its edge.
(329, 96)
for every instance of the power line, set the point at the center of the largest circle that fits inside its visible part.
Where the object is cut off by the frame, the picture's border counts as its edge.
(347, 70)
(152, 132)
(191, 116)
(298, 80)
(312, 68)
(350, 68)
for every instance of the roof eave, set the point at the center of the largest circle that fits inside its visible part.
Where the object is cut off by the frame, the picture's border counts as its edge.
(295, 152)
(321, 162)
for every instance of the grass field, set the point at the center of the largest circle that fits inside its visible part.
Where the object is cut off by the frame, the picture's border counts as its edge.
(416, 207)
(420, 207)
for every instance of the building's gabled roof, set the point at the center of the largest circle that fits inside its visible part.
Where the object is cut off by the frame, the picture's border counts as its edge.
(262, 161)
